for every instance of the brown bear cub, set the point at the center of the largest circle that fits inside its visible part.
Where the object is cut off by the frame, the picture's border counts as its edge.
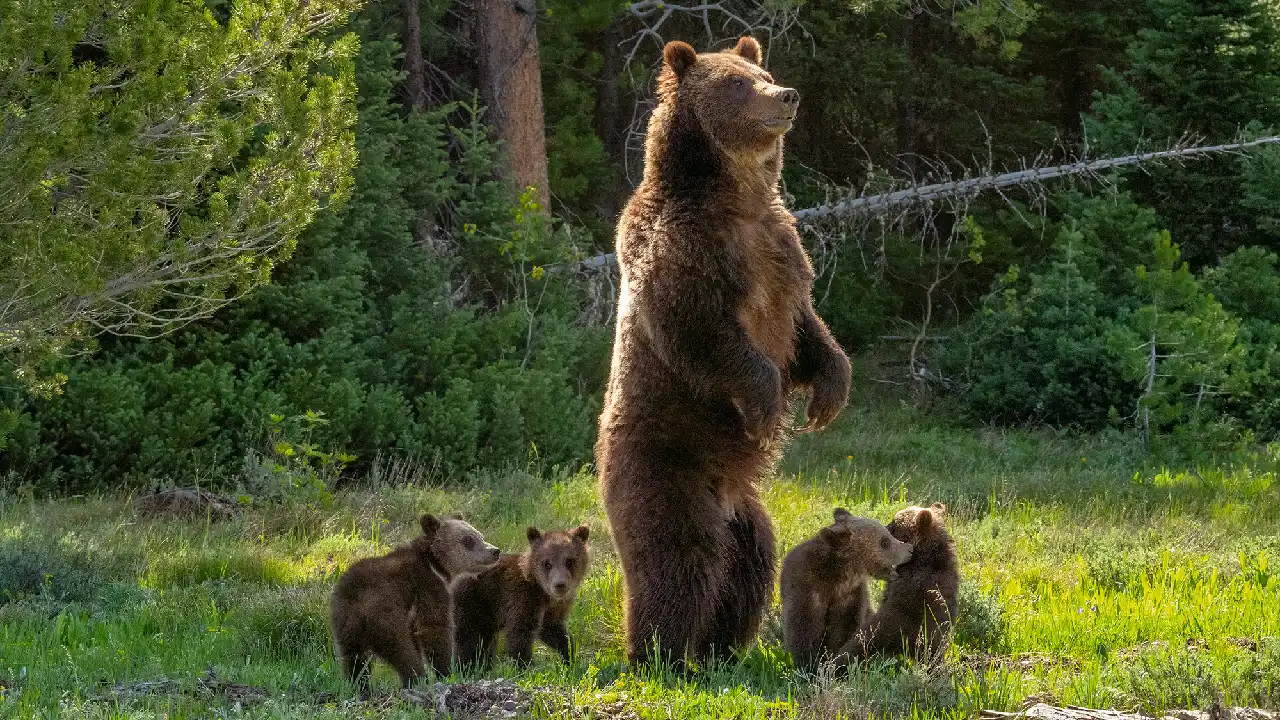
(398, 606)
(919, 606)
(524, 596)
(824, 585)
(716, 333)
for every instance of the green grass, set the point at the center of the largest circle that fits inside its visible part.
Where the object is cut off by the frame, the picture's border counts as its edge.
(1091, 578)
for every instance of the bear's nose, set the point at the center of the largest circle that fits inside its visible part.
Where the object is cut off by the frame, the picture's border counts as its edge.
(790, 96)
(560, 586)
(495, 552)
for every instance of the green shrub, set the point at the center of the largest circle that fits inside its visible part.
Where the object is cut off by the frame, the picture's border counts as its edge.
(1038, 351)
(981, 624)
(30, 570)
(418, 321)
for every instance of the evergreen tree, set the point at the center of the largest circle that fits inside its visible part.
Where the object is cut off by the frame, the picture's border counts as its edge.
(1209, 67)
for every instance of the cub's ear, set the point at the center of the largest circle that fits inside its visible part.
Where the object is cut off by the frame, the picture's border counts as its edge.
(748, 48)
(533, 533)
(679, 56)
(834, 534)
(938, 508)
(924, 520)
(841, 515)
(582, 532)
(429, 523)
(457, 516)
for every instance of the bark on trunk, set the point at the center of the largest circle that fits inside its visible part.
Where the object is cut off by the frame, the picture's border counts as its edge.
(511, 88)
(415, 70)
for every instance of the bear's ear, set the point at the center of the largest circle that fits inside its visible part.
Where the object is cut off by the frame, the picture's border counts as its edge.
(679, 56)
(582, 532)
(834, 534)
(938, 508)
(841, 515)
(533, 533)
(457, 516)
(924, 520)
(429, 523)
(748, 48)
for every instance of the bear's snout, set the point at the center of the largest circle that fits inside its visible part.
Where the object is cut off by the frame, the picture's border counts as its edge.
(494, 553)
(790, 96)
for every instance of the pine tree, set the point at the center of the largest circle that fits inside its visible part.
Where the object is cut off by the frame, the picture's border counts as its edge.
(1209, 67)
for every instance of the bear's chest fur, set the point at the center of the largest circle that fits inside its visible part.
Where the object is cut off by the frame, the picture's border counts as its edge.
(777, 277)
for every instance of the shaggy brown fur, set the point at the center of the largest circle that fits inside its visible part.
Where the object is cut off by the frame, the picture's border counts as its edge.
(919, 605)
(824, 585)
(397, 606)
(716, 329)
(525, 596)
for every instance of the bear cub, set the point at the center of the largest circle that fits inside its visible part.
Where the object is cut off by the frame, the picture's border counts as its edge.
(824, 585)
(398, 606)
(524, 596)
(919, 605)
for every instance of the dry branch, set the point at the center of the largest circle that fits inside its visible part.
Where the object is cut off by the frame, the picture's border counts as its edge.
(926, 195)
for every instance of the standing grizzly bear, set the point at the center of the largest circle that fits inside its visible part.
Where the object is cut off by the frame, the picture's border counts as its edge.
(715, 331)
(919, 605)
(398, 607)
(825, 599)
(525, 596)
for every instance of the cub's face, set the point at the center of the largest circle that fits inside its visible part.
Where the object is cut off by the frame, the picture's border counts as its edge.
(459, 548)
(733, 97)
(558, 560)
(868, 543)
(914, 524)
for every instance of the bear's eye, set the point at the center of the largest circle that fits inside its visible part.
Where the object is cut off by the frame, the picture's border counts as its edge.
(546, 565)
(568, 564)
(738, 83)
(884, 543)
(468, 542)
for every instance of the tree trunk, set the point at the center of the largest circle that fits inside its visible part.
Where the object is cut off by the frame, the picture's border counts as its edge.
(415, 81)
(907, 121)
(610, 126)
(511, 88)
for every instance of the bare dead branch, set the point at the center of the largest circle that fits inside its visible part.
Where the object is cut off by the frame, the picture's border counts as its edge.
(924, 200)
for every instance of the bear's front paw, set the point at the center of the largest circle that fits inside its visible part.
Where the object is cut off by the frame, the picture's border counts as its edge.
(762, 412)
(829, 393)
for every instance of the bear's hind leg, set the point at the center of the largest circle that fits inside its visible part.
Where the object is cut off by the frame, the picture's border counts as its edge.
(355, 668)
(748, 587)
(671, 605)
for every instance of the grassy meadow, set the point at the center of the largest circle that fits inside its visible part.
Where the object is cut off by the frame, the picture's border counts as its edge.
(1092, 577)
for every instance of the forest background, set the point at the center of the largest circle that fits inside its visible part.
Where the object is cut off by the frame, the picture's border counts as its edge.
(441, 314)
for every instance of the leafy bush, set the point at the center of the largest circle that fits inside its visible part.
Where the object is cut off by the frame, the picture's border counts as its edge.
(1038, 352)
(1247, 282)
(419, 320)
(1116, 327)
(981, 622)
(31, 570)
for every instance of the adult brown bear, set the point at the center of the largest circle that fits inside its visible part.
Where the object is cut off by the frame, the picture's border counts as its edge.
(715, 331)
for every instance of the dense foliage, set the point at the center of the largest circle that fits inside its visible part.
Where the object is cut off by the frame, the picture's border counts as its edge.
(436, 314)
(159, 159)
(457, 348)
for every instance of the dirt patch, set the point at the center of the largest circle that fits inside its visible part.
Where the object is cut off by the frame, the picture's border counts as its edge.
(1251, 644)
(185, 504)
(498, 698)
(206, 686)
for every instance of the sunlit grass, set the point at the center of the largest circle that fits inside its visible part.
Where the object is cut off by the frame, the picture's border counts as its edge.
(1092, 577)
